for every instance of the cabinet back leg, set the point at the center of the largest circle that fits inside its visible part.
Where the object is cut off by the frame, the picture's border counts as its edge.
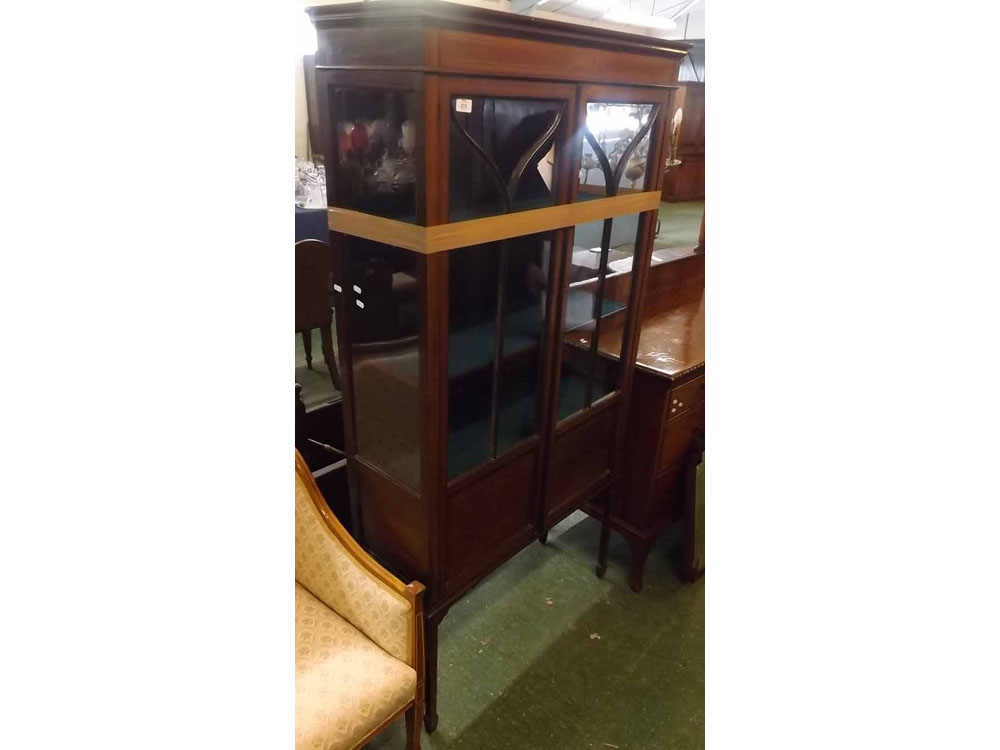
(307, 347)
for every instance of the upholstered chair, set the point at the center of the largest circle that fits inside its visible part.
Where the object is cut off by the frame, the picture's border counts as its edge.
(359, 638)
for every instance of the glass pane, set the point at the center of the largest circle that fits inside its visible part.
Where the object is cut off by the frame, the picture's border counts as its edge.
(376, 138)
(382, 300)
(615, 128)
(477, 278)
(496, 145)
(589, 373)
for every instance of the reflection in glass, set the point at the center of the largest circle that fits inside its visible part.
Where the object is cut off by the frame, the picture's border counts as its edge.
(382, 303)
(493, 383)
(376, 138)
(615, 132)
(600, 282)
(501, 155)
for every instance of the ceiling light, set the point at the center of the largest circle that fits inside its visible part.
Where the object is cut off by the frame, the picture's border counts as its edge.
(637, 19)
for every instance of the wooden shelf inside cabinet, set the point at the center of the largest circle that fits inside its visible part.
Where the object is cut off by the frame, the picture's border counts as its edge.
(491, 209)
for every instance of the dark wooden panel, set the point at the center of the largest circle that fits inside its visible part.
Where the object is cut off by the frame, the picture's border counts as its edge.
(676, 436)
(686, 182)
(672, 284)
(371, 47)
(645, 421)
(394, 519)
(469, 52)
(666, 498)
(581, 457)
(486, 514)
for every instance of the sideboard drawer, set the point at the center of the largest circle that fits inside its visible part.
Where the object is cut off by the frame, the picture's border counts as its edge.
(683, 398)
(676, 436)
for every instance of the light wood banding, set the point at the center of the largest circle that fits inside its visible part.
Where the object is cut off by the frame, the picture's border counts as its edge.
(457, 234)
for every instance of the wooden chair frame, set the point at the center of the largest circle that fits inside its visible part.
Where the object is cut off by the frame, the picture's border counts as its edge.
(412, 592)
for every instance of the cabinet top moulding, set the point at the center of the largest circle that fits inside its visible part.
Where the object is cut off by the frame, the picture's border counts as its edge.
(432, 36)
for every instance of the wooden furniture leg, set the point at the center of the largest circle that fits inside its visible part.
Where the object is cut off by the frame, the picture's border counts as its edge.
(412, 716)
(331, 363)
(640, 550)
(431, 670)
(307, 346)
(602, 550)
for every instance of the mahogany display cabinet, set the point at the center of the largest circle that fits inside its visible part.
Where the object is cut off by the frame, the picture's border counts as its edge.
(492, 196)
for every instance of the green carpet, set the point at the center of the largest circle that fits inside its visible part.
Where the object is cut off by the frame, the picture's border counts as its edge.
(317, 388)
(544, 655)
(680, 224)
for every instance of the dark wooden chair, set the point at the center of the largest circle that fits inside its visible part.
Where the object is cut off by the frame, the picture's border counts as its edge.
(313, 265)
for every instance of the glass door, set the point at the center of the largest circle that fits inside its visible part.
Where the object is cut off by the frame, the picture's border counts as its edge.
(505, 143)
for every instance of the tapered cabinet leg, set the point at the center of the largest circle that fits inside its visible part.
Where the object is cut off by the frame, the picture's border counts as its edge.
(640, 550)
(307, 347)
(431, 671)
(602, 550)
(412, 716)
(331, 363)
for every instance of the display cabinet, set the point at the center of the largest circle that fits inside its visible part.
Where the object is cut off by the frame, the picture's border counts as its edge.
(492, 194)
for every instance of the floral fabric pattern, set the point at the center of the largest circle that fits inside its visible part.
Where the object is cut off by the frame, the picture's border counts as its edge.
(345, 685)
(330, 572)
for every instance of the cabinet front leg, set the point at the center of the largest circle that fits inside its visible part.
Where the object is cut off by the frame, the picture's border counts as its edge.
(431, 671)
(602, 550)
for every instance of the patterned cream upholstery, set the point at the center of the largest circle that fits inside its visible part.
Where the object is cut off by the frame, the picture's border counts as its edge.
(345, 685)
(328, 570)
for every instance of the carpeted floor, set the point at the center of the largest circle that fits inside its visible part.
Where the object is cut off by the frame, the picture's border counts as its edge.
(680, 224)
(544, 655)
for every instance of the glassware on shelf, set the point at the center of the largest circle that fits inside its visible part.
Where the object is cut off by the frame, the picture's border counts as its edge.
(310, 184)
(376, 138)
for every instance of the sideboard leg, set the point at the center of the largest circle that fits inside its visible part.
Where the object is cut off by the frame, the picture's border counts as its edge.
(640, 550)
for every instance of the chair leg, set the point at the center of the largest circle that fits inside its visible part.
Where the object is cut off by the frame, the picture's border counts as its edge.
(412, 716)
(307, 346)
(430, 675)
(331, 362)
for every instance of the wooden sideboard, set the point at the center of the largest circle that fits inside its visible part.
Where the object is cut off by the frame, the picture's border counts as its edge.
(666, 408)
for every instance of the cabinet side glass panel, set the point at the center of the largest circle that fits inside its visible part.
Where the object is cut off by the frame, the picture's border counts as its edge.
(597, 297)
(493, 385)
(376, 163)
(501, 155)
(382, 300)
